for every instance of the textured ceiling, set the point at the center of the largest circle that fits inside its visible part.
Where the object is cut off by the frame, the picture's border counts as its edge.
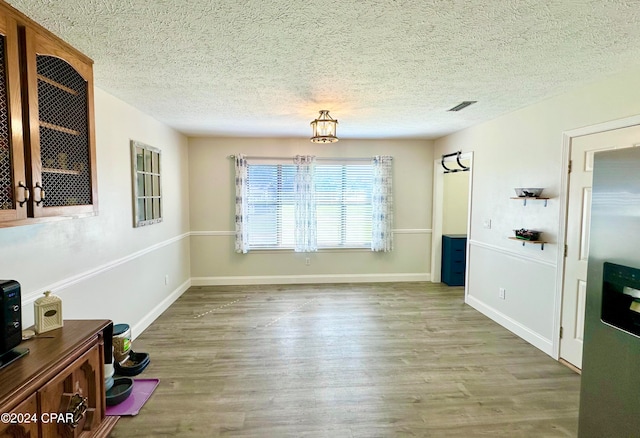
(384, 68)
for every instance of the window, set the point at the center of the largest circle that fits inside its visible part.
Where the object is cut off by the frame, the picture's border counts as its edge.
(147, 197)
(343, 195)
(271, 205)
(343, 205)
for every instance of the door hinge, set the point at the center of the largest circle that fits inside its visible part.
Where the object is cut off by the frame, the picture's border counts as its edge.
(570, 165)
(561, 332)
(566, 248)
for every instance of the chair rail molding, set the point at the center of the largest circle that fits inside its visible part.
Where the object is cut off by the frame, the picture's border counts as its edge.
(78, 278)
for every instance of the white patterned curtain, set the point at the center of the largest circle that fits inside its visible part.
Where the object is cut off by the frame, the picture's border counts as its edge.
(382, 204)
(306, 239)
(242, 229)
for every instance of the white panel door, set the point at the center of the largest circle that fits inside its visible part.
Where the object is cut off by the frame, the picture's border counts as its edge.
(577, 240)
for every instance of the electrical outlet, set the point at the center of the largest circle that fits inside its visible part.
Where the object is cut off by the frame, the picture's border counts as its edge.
(487, 224)
(166, 279)
(502, 294)
(307, 261)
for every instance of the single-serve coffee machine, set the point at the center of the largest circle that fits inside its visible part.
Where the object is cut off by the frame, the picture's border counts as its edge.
(10, 322)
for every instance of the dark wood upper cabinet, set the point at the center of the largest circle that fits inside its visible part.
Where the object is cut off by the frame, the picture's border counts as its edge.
(47, 128)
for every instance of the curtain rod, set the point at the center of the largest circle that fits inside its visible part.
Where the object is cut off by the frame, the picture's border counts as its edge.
(249, 157)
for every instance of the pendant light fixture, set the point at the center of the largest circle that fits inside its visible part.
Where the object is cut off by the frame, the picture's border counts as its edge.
(324, 128)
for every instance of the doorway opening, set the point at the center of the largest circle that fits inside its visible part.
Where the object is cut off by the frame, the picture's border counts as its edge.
(452, 194)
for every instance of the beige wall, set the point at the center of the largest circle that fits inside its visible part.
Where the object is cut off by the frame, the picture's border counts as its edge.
(524, 149)
(101, 266)
(212, 193)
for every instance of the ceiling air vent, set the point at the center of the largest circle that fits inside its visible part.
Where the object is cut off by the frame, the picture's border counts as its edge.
(463, 105)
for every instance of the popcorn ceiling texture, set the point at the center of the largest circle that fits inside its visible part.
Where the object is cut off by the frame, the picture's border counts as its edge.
(384, 68)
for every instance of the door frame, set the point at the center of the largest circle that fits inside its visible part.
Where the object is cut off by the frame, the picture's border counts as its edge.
(567, 136)
(438, 213)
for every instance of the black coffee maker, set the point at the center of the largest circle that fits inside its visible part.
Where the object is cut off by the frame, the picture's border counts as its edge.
(10, 322)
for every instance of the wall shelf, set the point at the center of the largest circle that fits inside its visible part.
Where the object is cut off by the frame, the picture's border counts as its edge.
(531, 198)
(537, 242)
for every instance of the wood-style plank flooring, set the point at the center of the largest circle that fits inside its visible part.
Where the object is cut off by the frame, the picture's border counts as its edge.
(348, 360)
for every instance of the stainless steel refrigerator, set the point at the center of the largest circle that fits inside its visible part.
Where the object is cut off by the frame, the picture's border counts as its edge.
(610, 385)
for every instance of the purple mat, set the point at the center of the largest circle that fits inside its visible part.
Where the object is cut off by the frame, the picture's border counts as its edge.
(142, 390)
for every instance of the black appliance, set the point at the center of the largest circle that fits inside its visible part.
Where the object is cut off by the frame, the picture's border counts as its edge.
(10, 315)
(10, 322)
(621, 297)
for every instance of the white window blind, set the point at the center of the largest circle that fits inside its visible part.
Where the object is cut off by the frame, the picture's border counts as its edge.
(343, 205)
(271, 205)
(343, 199)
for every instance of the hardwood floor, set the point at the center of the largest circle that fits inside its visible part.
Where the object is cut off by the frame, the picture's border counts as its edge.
(349, 360)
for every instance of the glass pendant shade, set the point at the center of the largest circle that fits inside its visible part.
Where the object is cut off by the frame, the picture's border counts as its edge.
(324, 128)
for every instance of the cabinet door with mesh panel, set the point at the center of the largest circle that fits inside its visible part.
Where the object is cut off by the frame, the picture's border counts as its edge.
(61, 127)
(14, 191)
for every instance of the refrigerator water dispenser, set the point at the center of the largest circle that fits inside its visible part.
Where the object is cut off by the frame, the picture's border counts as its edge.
(621, 297)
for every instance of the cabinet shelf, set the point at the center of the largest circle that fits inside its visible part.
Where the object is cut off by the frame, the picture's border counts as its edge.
(57, 85)
(60, 171)
(58, 128)
(537, 242)
(531, 198)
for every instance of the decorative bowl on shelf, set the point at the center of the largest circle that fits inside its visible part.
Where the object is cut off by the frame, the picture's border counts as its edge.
(528, 192)
(525, 234)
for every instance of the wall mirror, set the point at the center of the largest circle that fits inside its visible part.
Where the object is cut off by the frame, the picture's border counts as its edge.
(147, 193)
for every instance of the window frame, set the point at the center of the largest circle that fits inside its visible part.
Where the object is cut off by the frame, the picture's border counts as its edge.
(139, 174)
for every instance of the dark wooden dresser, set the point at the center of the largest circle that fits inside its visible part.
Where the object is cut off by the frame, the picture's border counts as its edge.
(62, 378)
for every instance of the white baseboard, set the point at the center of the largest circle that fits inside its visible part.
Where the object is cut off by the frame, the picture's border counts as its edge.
(163, 305)
(535, 339)
(308, 279)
